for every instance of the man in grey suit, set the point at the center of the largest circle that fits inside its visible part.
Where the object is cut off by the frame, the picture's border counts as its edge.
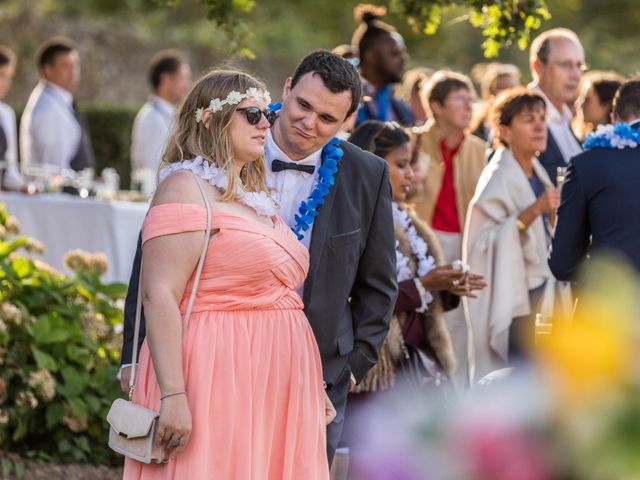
(350, 290)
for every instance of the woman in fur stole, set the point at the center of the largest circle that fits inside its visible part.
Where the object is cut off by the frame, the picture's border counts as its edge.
(426, 288)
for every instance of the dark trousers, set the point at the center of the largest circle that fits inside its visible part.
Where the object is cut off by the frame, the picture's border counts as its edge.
(523, 329)
(338, 395)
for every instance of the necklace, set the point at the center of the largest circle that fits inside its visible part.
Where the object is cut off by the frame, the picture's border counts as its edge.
(261, 201)
(419, 249)
(620, 136)
(308, 211)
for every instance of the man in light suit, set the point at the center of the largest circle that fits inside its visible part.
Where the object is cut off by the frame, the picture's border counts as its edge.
(351, 289)
(52, 131)
(170, 79)
(600, 207)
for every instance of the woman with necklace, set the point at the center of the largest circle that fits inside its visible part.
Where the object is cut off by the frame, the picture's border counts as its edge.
(239, 390)
(507, 232)
(426, 288)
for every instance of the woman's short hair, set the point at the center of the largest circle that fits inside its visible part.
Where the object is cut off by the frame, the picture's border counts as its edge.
(604, 84)
(212, 141)
(441, 85)
(511, 103)
(378, 137)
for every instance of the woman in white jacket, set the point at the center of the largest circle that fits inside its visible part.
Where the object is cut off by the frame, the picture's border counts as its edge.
(507, 232)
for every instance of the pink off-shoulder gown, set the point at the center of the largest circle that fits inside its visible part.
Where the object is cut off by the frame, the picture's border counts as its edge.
(251, 363)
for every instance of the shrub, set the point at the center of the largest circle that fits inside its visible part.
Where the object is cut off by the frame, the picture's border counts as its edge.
(59, 352)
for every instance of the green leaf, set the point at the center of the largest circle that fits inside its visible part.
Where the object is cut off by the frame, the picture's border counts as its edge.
(6, 467)
(75, 381)
(41, 328)
(114, 290)
(55, 412)
(93, 403)
(44, 360)
(22, 266)
(78, 407)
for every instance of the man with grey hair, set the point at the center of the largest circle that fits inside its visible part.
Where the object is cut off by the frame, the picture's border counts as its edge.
(557, 62)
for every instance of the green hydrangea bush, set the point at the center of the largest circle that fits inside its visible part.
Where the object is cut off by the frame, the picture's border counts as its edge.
(59, 352)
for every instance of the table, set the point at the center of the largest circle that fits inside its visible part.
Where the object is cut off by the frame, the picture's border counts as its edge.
(64, 222)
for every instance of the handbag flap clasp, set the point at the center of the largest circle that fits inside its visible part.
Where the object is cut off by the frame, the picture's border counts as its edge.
(131, 420)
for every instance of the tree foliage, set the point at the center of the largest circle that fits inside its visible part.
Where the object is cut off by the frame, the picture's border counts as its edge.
(503, 22)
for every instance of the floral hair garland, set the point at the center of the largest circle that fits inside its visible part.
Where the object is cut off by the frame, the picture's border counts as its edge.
(234, 98)
(620, 136)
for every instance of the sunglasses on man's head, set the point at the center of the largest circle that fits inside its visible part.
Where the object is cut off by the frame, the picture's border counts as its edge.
(254, 114)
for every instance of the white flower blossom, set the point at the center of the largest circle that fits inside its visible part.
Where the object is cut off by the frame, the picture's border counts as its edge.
(215, 105)
(199, 114)
(234, 97)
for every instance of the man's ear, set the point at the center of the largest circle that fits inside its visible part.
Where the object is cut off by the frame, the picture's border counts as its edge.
(287, 88)
(536, 68)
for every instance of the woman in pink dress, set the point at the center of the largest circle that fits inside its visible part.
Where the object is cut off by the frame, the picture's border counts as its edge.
(240, 392)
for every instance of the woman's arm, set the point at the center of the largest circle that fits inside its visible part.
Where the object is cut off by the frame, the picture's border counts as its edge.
(168, 263)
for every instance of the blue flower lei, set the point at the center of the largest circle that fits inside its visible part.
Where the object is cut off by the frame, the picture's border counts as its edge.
(308, 211)
(620, 135)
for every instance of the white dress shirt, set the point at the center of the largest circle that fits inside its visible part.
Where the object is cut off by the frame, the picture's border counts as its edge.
(49, 130)
(12, 180)
(290, 187)
(151, 130)
(559, 124)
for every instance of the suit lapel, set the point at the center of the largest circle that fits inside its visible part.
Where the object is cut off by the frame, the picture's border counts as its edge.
(320, 232)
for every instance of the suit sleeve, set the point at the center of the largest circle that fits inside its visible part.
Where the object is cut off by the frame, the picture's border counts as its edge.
(130, 310)
(571, 239)
(374, 292)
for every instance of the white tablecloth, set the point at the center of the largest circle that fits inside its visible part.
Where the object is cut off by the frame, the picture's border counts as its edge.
(64, 222)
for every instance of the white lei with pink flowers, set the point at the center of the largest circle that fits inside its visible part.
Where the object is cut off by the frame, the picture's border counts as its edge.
(419, 249)
(261, 202)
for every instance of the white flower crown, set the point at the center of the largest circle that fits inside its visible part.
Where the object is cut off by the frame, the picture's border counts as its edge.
(234, 98)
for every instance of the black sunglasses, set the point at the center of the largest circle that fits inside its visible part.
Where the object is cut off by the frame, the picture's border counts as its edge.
(254, 114)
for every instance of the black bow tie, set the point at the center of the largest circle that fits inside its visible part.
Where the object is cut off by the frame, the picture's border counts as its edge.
(279, 165)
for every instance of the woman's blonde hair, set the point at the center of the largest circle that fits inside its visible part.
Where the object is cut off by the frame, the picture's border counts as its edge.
(191, 139)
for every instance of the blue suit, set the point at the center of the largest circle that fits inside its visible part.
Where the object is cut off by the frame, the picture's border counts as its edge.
(600, 209)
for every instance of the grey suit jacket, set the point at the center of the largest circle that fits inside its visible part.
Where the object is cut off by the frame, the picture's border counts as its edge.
(351, 287)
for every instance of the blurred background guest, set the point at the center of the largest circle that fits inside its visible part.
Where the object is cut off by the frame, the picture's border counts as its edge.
(52, 131)
(507, 233)
(600, 200)
(595, 101)
(455, 160)
(556, 58)
(409, 92)
(348, 52)
(493, 79)
(382, 55)
(170, 78)
(10, 178)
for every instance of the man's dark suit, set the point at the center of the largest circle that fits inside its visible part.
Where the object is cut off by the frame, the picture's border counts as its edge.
(601, 201)
(351, 287)
(552, 157)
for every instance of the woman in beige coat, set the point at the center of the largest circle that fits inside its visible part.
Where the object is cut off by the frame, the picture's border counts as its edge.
(507, 232)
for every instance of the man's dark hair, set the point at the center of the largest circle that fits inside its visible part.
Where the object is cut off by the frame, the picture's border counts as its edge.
(7, 57)
(626, 103)
(49, 50)
(337, 74)
(164, 61)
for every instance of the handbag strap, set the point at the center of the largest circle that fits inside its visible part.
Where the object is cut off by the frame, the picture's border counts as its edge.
(192, 298)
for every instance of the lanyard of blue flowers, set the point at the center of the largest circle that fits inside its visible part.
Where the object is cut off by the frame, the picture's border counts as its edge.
(620, 135)
(308, 210)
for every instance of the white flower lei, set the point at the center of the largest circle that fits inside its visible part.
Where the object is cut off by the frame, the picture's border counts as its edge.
(261, 202)
(420, 251)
